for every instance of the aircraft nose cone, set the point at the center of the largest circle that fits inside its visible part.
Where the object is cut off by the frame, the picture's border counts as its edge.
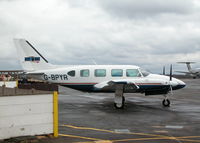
(180, 84)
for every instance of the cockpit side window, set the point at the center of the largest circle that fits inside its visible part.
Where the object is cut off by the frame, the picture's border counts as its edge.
(71, 73)
(133, 73)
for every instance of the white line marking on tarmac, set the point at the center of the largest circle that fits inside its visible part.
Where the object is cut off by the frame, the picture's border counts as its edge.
(173, 127)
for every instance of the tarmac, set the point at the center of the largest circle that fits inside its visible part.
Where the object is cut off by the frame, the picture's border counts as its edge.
(89, 117)
(92, 118)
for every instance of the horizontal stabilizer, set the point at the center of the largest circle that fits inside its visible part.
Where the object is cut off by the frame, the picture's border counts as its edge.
(185, 62)
(36, 74)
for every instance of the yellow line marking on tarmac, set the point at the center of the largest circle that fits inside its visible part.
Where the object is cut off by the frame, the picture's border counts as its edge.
(157, 137)
(80, 137)
(86, 128)
(161, 138)
(109, 131)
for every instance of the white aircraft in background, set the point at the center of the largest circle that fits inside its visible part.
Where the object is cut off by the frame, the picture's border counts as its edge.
(119, 79)
(195, 73)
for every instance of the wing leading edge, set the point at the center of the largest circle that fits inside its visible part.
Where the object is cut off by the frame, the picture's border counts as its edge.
(112, 85)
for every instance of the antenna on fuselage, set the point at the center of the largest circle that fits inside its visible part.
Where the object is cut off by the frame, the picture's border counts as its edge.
(94, 62)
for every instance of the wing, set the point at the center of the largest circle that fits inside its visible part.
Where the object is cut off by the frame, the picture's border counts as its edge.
(183, 72)
(112, 85)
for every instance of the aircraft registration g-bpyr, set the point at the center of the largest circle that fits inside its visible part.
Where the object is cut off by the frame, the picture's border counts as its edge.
(119, 79)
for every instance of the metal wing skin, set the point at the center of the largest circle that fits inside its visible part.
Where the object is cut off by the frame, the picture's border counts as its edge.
(111, 86)
(183, 72)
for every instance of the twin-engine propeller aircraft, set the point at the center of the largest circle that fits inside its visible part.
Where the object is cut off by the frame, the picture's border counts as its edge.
(119, 79)
(195, 73)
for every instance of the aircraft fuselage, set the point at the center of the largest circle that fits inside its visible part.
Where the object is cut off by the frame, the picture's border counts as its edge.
(88, 77)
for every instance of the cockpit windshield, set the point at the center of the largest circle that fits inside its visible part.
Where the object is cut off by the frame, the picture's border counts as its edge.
(144, 72)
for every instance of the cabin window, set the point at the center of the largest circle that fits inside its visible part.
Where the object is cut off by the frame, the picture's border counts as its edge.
(117, 72)
(84, 73)
(133, 73)
(100, 73)
(71, 73)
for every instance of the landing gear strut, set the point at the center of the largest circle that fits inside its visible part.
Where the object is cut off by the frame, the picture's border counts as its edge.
(119, 98)
(166, 102)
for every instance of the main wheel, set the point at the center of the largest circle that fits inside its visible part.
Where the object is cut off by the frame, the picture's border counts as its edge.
(166, 102)
(119, 106)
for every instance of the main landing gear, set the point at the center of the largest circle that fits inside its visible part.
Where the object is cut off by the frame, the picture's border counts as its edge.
(120, 105)
(119, 98)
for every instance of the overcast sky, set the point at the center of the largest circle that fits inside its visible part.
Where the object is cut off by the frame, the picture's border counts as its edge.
(147, 33)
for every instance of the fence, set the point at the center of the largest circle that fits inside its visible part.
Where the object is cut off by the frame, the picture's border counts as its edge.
(28, 114)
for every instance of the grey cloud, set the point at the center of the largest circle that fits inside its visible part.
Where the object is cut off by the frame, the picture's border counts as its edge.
(74, 32)
(140, 8)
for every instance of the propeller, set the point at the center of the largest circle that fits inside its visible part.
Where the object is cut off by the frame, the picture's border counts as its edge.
(170, 78)
(170, 75)
(163, 70)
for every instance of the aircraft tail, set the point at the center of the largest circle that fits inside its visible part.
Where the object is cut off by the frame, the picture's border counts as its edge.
(188, 65)
(30, 58)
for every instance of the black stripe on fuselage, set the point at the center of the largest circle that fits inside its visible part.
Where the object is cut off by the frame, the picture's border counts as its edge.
(142, 88)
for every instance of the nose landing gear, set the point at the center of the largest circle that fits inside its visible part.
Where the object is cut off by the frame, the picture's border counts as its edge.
(119, 98)
(166, 102)
(120, 105)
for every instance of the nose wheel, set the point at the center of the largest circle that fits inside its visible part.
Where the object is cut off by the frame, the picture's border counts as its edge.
(166, 102)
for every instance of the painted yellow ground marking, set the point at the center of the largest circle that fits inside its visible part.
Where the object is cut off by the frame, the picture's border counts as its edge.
(86, 128)
(109, 131)
(103, 141)
(156, 137)
(55, 114)
(80, 137)
(161, 138)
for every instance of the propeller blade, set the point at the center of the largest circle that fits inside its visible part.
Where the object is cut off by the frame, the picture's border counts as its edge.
(163, 70)
(170, 72)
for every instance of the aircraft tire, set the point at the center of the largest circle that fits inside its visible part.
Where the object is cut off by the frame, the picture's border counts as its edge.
(119, 107)
(166, 102)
